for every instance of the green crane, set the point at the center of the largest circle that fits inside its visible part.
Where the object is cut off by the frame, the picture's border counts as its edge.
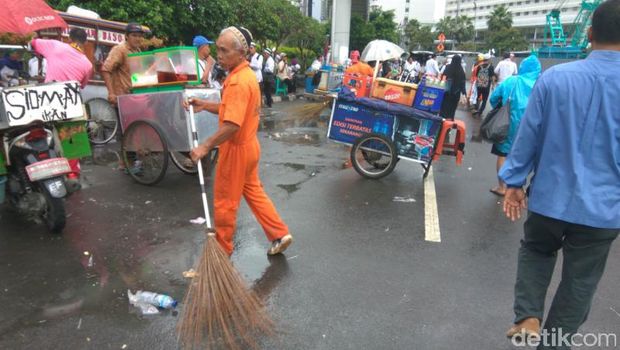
(554, 31)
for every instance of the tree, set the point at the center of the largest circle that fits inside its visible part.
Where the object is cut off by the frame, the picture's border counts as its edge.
(460, 29)
(501, 35)
(418, 37)
(380, 25)
(308, 40)
(362, 33)
(499, 19)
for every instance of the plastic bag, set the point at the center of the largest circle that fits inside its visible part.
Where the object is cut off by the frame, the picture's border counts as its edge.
(496, 124)
(473, 95)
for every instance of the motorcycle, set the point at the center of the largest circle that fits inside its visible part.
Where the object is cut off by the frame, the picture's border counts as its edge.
(35, 181)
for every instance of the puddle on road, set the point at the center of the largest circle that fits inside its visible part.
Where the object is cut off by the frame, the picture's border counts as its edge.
(291, 188)
(296, 126)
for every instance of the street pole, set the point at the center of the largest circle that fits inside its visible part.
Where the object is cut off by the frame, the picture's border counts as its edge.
(475, 29)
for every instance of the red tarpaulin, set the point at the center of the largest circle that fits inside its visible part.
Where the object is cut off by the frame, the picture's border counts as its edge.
(27, 16)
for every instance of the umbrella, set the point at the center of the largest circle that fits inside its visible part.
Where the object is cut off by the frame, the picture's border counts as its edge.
(27, 16)
(381, 50)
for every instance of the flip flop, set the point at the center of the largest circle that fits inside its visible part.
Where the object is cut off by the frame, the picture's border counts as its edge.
(496, 192)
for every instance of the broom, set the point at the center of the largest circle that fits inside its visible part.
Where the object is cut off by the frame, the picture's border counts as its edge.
(218, 306)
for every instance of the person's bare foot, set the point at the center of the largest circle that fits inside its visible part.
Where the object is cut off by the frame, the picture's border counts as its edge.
(498, 191)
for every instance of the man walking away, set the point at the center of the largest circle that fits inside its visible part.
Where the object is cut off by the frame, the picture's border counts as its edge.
(432, 68)
(505, 68)
(269, 77)
(569, 138)
(484, 79)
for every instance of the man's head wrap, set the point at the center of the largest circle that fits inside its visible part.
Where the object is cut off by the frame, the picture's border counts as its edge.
(243, 35)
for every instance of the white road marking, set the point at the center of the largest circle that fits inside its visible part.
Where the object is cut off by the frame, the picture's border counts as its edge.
(431, 216)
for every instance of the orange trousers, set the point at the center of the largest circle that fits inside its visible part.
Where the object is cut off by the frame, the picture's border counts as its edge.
(236, 175)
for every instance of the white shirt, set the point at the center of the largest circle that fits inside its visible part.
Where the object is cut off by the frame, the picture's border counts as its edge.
(270, 65)
(256, 63)
(432, 68)
(505, 69)
(33, 66)
(412, 68)
(316, 65)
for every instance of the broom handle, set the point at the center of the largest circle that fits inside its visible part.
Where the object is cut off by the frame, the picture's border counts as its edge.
(205, 204)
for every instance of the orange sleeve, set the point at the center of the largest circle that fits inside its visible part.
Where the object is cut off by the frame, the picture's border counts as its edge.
(368, 70)
(235, 103)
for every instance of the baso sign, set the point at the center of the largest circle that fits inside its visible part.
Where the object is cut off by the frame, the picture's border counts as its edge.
(32, 20)
(101, 35)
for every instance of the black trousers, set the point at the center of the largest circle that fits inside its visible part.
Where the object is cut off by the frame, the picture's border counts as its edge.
(585, 250)
(483, 97)
(267, 89)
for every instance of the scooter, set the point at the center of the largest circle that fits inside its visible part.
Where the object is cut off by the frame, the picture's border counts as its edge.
(35, 180)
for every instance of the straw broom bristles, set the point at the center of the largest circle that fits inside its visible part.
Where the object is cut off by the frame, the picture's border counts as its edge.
(219, 308)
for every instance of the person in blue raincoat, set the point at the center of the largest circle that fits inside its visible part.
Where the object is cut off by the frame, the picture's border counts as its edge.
(518, 88)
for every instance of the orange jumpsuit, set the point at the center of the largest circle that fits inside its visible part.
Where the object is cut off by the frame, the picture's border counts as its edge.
(237, 170)
(360, 68)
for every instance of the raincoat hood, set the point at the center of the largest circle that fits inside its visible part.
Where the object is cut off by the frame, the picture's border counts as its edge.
(530, 68)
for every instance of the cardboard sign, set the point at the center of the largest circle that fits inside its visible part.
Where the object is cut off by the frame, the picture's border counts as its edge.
(51, 102)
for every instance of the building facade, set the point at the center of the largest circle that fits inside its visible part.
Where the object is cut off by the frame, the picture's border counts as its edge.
(525, 13)
(427, 12)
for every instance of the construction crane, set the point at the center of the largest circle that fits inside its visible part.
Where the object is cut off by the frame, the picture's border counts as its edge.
(554, 31)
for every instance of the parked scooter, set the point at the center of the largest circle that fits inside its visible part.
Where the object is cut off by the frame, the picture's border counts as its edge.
(35, 181)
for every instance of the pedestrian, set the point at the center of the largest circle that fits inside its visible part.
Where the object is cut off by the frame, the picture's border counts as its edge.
(282, 73)
(411, 69)
(205, 61)
(569, 138)
(505, 68)
(115, 69)
(432, 68)
(239, 149)
(517, 89)
(10, 67)
(37, 66)
(269, 79)
(455, 82)
(66, 62)
(357, 66)
(485, 74)
(256, 63)
(293, 68)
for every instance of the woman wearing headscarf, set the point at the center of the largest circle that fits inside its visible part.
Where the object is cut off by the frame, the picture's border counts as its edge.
(455, 87)
(517, 88)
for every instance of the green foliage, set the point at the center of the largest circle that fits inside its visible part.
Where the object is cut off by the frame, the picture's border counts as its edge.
(177, 21)
(418, 37)
(459, 28)
(308, 40)
(507, 39)
(501, 36)
(499, 19)
(380, 25)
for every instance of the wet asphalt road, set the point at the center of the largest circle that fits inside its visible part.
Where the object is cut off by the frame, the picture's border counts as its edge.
(359, 275)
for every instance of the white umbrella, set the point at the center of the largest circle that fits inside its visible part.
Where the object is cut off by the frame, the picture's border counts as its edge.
(381, 50)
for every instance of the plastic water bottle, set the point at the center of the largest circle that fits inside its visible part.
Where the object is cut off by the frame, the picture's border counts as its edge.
(159, 300)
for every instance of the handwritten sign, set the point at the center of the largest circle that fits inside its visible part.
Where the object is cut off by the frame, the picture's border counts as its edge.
(51, 102)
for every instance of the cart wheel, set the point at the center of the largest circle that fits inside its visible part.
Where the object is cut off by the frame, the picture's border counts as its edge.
(145, 152)
(102, 122)
(373, 156)
(182, 161)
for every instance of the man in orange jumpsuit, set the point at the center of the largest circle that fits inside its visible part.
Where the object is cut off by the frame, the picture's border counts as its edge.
(239, 151)
(357, 66)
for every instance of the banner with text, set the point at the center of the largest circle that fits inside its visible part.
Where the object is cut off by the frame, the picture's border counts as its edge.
(47, 103)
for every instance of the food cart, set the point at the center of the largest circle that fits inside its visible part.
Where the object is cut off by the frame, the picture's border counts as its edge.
(155, 125)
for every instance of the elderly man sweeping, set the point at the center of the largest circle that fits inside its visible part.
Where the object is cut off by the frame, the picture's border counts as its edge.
(239, 150)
